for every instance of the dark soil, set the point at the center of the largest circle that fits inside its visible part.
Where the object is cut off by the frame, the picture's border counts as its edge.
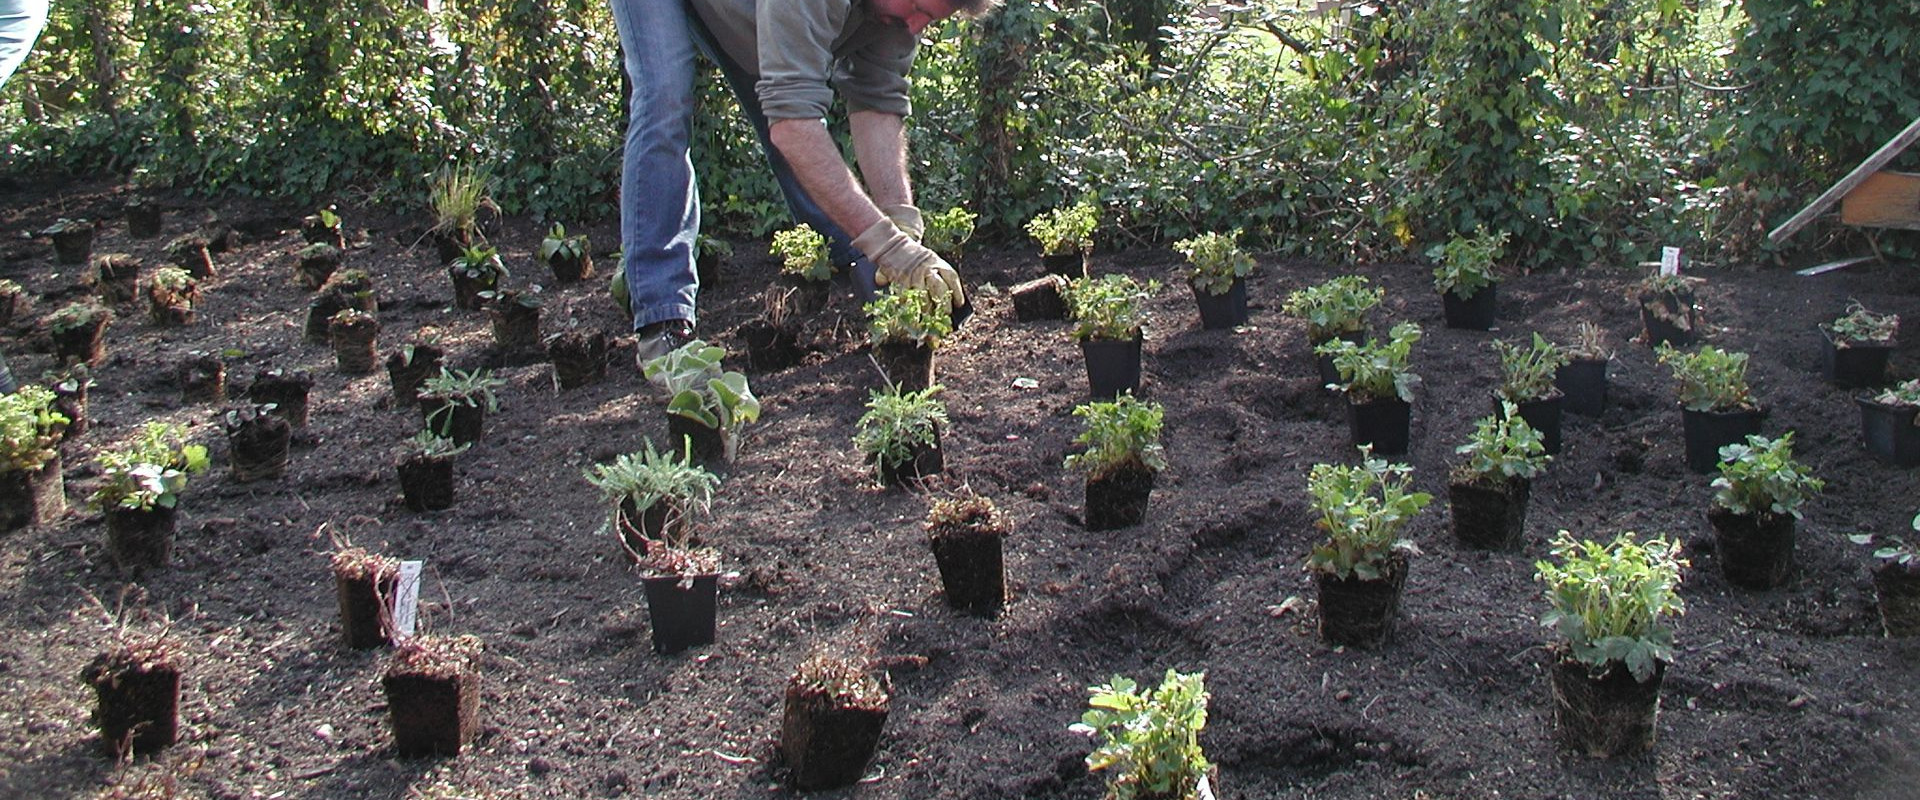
(1790, 692)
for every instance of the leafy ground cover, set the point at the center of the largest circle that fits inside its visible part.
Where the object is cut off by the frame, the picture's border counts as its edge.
(1790, 692)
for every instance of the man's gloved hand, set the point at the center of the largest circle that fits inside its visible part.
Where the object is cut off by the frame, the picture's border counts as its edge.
(899, 260)
(907, 219)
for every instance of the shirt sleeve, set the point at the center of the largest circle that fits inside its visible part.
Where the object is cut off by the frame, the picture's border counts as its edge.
(796, 56)
(873, 77)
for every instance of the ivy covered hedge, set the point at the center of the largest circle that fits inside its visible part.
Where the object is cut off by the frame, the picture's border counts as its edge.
(1594, 130)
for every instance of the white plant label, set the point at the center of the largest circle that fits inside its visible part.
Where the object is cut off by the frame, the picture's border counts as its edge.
(406, 600)
(1669, 260)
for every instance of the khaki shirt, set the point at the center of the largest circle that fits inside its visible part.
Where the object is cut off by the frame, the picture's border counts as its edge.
(801, 51)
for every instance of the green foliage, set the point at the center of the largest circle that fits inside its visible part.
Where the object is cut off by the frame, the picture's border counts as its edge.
(699, 390)
(1527, 374)
(1759, 476)
(1362, 510)
(151, 471)
(1065, 230)
(64, 225)
(896, 423)
(1862, 327)
(1894, 550)
(948, 230)
(351, 317)
(479, 263)
(558, 245)
(1609, 601)
(1905, 394)
(1710, 379)
(1335, 307)
(1107, 307)
(1375, 370)
(640, 480)
(1122, 433)
(457, 194)
(29, 429)
(1466, 262)
(1588, 344)
(476, 388)
(908, 316)
(172, 280)
(1503, 446)
(1216, 260)
(1150, 739)
(427, 444)
(803, 253)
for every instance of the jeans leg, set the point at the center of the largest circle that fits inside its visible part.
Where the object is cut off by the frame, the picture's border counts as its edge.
(659, 203)
(20, 24)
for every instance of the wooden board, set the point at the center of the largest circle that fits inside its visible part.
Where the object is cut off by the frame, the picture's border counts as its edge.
(1884, 200)
(1887, 153)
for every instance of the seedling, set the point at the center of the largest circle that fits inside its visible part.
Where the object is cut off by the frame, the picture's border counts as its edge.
(30, 429)
(150, 472)
(1902, 395)
(636, 482)
(1215, 261)
(480, 264)
(699, 390)
(1466, 262)
(458, 193)
(1611, 601)
(948, 230)
(1502, 446)
(1760, 476)
(1336, 307)
(1065, 230)
(1588, 344)
(1860, 327)
(559, 246)
(1363, 510)
(1375, 370)
(1710, 379)
(907, 316)
(1150, 739)
(1121, 434)
(1527, 373)
(1108, 307)
(897, 424)
(1893, 549)
(803, 253)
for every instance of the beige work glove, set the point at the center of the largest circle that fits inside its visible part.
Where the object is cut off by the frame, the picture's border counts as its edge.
(900, 261)
(907, 219)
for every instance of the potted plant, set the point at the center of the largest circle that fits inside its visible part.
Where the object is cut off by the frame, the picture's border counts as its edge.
(78, 330)
(1150, 739)
(900, 434)
(139, 490)
(171, 295)
(203, 379)
(905, 327)
(1488, 492)
(1065, 236)
(354, 335)
(579, 358)
(314, 264)
(514, 317)
(258, 442)
(1123, 459)
(348, 288)
(773, 335)
(1855, 346)
(32, 491)
(364, 584)
(424, 468)
(458, 195)
(456, 403)
(136, 687)
(193, 253)
(412, 363)
(1716, 406)
(1336, 309)
(834, 713)
(1361, 568)
(116, 278)
(1888, 423)
(705, 405)
(1217, 273)
(806, 266)
(13, 302)
(1756, 505)
(1669, 310)
(477, 269)
(1465, 279)
(70, 387)
(968, 535)
(1610, 602)
(432, 685)
(1583, 379)
(570, 257)
(1527, 382)
(72, 239)
(285, 390)
(143, 218)
(1109, 324)
(949, 231)
(323, 227)
(653, 496)
(708, 253)
(1896, 582)
(1378, 384)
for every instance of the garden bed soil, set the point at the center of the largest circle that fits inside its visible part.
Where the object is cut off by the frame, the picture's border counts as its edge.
(1790, 692)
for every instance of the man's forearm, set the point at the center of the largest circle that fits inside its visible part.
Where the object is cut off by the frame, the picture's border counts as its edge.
(816, 162)
(880, 146)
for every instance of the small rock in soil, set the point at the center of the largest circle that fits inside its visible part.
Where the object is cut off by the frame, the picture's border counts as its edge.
(539, 766)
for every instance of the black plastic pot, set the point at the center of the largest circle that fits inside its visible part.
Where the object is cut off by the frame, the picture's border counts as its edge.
(1474, 313)
(1897, 587)
(1889, 432)
(32, 497)
(1755, 551)
(1112, 366)
(579, 358)
(1222, 311)
(1675, 325)
(1329, 373)
(684, 614)
(1386, 423)
(74, 245)
(1119, 499)
(1490, 517)
(1856, 366)
(713, 449)
(426, 482)
(1071, 266)
(908, 365)
(827, 745)
(1039, 299)
(1583, 387)
(1705, 432)
(923, 461)
(143, 219)
(1605, 715)
(407, 375)
(1356, 612)
(140, 539)
(1543, 415)
(137, 710)
(972, 569)
(462, 423)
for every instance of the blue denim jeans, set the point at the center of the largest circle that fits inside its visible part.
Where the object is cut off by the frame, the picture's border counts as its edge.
(20, 24)
(659, 203)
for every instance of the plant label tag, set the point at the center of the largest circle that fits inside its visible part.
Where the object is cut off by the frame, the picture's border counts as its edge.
(406, 600)
(1669, 260)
